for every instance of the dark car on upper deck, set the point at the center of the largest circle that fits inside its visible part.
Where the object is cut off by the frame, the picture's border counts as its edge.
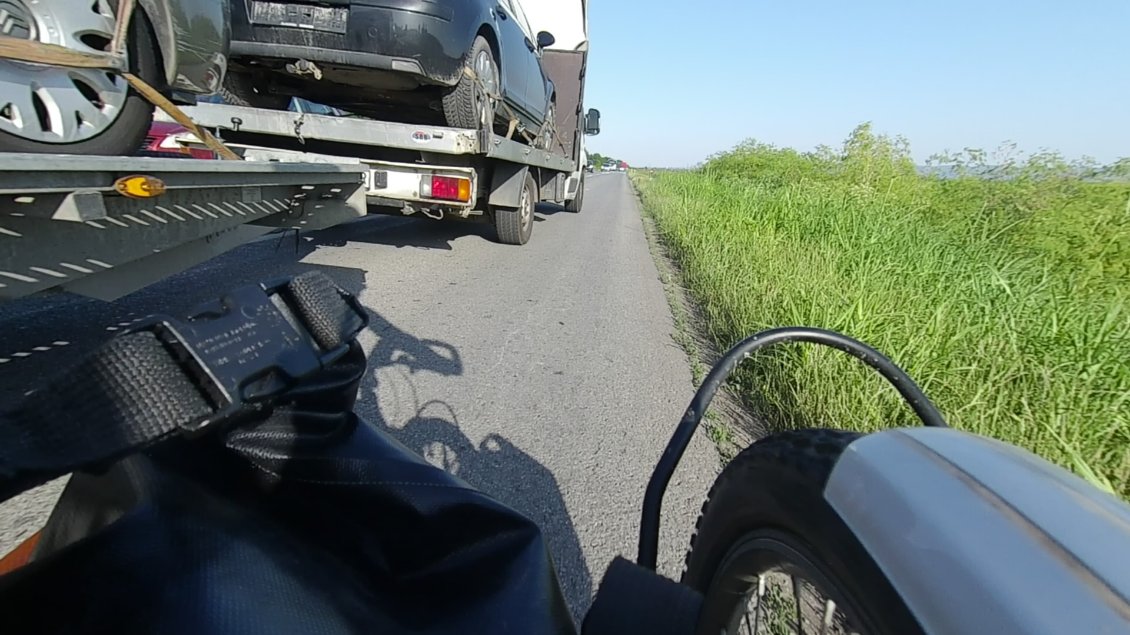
(417, 61)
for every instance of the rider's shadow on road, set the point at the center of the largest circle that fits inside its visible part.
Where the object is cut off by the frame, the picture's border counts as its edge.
(389, 398)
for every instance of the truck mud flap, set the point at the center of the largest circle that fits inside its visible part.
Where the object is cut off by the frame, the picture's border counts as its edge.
(506, 184)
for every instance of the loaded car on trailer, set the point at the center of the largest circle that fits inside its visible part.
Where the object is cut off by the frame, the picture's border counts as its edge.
(458, 63)
(518, 140)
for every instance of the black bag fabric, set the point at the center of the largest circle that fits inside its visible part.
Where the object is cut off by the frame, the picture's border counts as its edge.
(308, 521)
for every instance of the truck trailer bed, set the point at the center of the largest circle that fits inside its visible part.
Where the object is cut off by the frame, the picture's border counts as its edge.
(65, 224)
(353, 131)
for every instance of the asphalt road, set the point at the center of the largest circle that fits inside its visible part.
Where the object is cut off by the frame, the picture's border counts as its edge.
(545, 375)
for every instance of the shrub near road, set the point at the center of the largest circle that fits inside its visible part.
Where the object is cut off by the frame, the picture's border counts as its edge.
(1002, 287)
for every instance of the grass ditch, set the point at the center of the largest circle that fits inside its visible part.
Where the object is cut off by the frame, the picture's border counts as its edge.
(1001, 284)
(728, 425)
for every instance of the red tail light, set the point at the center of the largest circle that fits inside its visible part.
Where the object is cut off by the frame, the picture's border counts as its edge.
(451, 188)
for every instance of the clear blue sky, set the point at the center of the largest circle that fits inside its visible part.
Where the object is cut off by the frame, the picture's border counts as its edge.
(676, 81)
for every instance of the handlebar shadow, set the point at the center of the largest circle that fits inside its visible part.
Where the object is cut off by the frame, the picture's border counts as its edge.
(494, 464)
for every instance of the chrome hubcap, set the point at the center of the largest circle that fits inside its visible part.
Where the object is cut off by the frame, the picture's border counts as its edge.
(487, 73)
(526, 208)
(59, 105)
(548, 127)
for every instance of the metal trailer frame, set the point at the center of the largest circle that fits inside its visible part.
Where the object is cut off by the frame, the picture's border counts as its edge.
(370, 133)
(64, 225)
(498, 163)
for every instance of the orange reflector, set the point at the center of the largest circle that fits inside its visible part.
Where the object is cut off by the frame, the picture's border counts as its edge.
(140, 186)
(19, 556)
(464, 190)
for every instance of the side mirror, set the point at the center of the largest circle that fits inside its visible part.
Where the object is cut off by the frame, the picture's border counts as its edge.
(545, 39)
(592, 122)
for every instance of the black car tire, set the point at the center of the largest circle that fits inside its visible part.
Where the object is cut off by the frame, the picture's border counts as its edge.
(515, 226)
(239, 90)
(463, 106)
(125, 134)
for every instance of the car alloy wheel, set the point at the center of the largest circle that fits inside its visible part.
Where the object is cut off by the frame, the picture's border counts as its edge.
(487, 72)
(59, 105)
(548, 128)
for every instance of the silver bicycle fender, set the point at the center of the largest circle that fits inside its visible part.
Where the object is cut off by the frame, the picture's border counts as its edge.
(979, 536)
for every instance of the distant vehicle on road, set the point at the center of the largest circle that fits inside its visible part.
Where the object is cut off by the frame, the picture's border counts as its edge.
(398, 61)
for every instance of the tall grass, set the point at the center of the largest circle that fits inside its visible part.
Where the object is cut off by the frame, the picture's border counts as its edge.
(1002, 288)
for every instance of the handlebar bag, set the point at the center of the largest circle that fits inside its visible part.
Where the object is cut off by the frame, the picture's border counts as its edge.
(309, 520)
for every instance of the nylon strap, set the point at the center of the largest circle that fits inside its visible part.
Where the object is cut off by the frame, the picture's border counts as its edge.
(134, 392)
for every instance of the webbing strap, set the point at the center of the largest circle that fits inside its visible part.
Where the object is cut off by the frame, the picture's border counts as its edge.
(146, 385)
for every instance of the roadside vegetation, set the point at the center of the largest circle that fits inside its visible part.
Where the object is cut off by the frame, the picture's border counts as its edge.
(999, 280)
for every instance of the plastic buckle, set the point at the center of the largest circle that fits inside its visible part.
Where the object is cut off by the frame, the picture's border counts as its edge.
(245, 349)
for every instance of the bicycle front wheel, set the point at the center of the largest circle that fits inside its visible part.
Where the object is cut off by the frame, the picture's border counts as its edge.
(770, 555)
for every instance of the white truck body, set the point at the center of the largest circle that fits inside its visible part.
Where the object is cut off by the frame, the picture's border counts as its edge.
(566, 62)
(569, 26)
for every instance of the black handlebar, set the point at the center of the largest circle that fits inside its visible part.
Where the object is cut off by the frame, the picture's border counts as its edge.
(657, 485)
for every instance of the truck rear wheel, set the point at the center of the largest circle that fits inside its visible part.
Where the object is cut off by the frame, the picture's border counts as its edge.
(574, 204)
(514, 226)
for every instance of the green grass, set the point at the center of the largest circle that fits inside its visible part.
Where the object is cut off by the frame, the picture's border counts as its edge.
(1006, 298)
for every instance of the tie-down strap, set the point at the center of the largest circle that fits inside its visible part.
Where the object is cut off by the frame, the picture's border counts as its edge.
(228, 362)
